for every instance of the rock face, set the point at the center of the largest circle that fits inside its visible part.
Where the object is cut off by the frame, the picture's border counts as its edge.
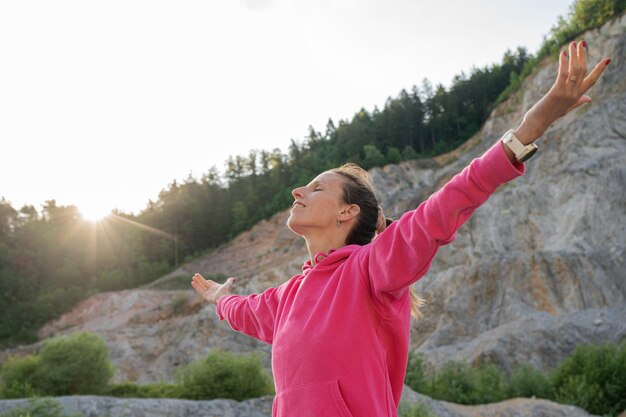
(539, 339)
(547, 250)
(536, 271)
(90, 406)
(518, 407)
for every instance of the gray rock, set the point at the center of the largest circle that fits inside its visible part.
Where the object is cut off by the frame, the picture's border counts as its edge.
(92, 406)
(518, 407)
(539, 339)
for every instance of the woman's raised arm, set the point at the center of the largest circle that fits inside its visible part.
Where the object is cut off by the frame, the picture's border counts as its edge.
(402, 254)
(404, 251)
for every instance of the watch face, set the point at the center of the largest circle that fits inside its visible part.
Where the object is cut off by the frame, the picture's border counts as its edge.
(526, 156)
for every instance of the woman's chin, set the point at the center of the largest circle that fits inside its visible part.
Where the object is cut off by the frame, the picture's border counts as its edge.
(292, 224)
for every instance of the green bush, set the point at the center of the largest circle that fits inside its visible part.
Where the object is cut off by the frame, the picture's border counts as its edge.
(130, 390)
(460, 383)
(74, 365)
(39, 407)
(18, 377)
(418, 410)
(224, 375)
(453, 382)
(18, 390)
(415, 372)
(491, 384)
(593, 378)
(409, 153)
(373, 157)
(71, 365)
(393, 155)
(179, 303)
(527, 381)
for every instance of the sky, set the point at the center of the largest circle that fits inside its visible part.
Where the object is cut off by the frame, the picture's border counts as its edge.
(104, 103)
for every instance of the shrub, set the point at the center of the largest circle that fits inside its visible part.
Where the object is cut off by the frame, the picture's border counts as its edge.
(18, 390)
(373, 157)
(460, 383)
(527, 381)
(18, 377)
(130, 390)
(224, 375)
(179, 303)
(393, 155)
(409, 153)
(39, 407)
(453, 382)
(418, 410)
(75, 364)
(593, 378)
(490, 384)
(415, 372)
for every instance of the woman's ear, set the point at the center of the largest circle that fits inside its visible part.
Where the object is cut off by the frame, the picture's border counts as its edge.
(349, 212)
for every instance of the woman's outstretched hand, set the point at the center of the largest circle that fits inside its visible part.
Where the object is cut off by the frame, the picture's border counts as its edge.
(567, 93)
(211, 290)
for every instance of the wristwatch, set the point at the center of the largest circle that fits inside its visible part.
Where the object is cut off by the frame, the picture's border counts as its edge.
(522, 152)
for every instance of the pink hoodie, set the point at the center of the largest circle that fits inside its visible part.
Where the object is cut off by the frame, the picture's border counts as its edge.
(340, 330)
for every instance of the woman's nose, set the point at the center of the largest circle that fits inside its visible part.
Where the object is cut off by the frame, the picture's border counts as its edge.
(297, 192)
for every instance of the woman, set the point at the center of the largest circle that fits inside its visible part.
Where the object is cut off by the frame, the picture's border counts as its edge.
(340, 330)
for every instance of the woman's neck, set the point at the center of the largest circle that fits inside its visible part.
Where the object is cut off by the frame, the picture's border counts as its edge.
(324, 245)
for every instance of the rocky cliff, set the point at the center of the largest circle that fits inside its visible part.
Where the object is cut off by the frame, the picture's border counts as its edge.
(536, 271)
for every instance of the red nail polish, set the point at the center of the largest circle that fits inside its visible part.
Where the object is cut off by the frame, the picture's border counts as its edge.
(608, 61)
(573, 44)
(565, 54)
(585, 44)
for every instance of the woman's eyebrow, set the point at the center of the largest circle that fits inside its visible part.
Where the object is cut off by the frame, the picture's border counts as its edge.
(315, 183)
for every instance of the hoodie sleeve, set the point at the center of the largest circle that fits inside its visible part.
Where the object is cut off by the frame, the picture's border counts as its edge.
(404, 251)
(253, 315)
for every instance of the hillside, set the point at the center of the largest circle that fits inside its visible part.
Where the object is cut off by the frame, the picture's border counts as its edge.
(538, 270)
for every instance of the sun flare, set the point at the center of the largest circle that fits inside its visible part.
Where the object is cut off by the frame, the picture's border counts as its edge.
(93, 212)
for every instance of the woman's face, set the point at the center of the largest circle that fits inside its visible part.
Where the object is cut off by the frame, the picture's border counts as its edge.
(318, 204)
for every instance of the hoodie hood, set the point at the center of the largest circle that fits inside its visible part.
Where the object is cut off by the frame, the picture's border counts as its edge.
(328, 260)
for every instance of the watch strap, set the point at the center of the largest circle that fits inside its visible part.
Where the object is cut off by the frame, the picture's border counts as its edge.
(522, 152)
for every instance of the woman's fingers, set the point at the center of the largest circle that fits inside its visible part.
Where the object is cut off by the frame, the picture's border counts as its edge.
(209, 290)
(229, 283)
(594, 75)
(568, 92)
(201, 284)
(198, 289)
(572, 74)
(563, 67)
(572, 70)
(582, 60)
(199, 280)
